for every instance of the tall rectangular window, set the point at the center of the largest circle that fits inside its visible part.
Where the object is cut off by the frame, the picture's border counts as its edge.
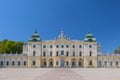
(7, 63)
(80, 54)
(62, 52)
(50, 53)
(51, 46)
(73, 53)
(57, 53)
(44, 53)
(90, 53)
(24, 63)
(67, 53)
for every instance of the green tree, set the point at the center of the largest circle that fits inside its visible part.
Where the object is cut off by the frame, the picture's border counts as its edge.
(9, 46)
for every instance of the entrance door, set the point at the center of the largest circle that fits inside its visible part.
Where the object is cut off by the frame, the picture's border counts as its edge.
(62, 63)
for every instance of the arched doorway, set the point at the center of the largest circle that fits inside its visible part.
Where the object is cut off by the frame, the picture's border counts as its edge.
(44, 63)
(51, 63)
(73, 63)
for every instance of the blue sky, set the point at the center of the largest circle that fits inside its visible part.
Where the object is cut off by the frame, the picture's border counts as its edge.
(20, 18)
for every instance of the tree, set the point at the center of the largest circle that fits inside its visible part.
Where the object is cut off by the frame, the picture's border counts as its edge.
(9, 46)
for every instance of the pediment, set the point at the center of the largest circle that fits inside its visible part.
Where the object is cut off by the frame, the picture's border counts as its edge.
(63, 40)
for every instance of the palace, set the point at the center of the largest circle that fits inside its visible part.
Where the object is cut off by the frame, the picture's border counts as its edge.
(60, 52)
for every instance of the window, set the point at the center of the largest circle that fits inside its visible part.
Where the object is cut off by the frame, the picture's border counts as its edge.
(73, 53)
(44, 46)
(67, 53)
(24, 63)
(73, 63)
(57, 46)
(13, 63)
(67, 46)
(110, 63)
(67, 63)
(45, 63)
(62, 46)
(33, 62)
(90, 62)
(1, 63)
(80, 54)
(44, 53)
(7, 63)
(80, 46)
(57, 53)
(34, 46)
(62, 52)
(79, 63)
(18, 63)
(51, 46)
(57, 63)
(73, 46)
(50, 53)
(90, 46)
(116, 63)
(105, 63)
(90, 53)
(51, 63)
(34, 53)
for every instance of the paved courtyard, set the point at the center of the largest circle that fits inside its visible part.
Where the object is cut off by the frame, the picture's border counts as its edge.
(59, 74)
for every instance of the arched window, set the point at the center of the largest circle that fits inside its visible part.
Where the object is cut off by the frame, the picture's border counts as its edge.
(18, 63)
(13, 63)
(7, 63)
(80, 54)
(51, 46)
(1, 63)
(62, 52)
(50, 53)
(24, 63)
(73, 53)
(90, 53)
(67, 53)
(73, 46)
(62, 46)
(34, 53)
(105, 63)
(57, 53)
(44, 53)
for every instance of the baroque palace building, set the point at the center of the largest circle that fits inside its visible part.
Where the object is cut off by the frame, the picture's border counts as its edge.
(60, 52)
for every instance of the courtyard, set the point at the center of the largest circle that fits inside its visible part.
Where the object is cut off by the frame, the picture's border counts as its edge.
(59, 74)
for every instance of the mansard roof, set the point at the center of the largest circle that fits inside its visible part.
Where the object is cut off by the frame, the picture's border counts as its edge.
(89, 38)
(35, 37)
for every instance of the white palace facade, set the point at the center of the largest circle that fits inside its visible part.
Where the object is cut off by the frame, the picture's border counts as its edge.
(61, 52)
